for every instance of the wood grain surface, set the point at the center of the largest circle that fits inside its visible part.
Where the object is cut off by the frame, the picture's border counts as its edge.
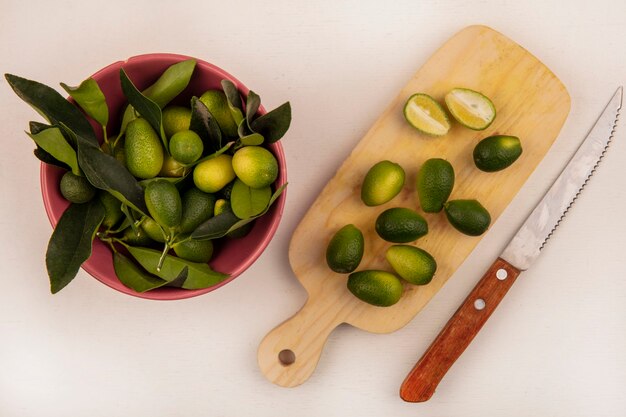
(531, 103)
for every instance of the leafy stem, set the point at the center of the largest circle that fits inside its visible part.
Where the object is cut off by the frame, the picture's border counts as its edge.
(109, 241)
(106, 139)
(166, 249)
(115, 141)
(185, 239)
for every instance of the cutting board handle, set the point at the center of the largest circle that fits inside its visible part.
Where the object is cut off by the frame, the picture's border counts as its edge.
(289, 353)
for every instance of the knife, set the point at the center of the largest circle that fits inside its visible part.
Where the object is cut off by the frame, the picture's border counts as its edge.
(522, 250)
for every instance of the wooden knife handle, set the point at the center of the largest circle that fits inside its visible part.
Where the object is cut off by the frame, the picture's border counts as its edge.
(421, 382)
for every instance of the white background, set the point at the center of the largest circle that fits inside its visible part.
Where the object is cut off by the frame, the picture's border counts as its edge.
(555, 346)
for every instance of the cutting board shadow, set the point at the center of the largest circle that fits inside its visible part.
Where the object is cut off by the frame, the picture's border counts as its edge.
(531, 103)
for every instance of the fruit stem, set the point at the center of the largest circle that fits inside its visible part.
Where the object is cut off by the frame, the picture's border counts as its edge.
(121, 227)
(106, 140)
(117, 139)
(105, 236)
(138, 222)
(186, 239)
(166, 248)
(108, 240)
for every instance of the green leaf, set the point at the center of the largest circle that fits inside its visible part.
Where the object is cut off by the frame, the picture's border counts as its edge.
(204, 124)
(133, 276)
(253, 102)
(216, 226)
(107, 173)
(243, 129)
(199, 275)
(36, 127)
(90, 98)
(51, 105)
(197, 281)
(126, 223)
(129, 116)
(248, 202)
(112, 209)
(246, 136)
(232, 94)
(225, 223)
(70, 244)
(180, 280)
(169, 85)
(130, 218)
(234, 100)
(244, 222)
(45, 157)
(213, 155)
(144, 106)
(273, 125)
(52, 141)
(253, 139)
(173, 180)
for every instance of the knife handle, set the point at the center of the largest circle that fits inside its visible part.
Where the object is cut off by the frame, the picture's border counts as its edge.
(421, 382)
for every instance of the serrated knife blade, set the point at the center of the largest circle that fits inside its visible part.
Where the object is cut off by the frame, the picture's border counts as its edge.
(546, 216)
(523, 249)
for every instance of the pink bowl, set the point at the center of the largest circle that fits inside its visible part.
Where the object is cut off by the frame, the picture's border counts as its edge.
(232, 256)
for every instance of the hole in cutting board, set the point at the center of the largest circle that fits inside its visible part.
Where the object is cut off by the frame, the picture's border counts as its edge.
(286, 357)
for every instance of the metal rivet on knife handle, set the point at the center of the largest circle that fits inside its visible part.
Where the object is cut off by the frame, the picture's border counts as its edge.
(501, 274)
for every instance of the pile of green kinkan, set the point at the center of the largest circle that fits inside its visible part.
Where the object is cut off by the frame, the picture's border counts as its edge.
(172, 182)
(434, 183)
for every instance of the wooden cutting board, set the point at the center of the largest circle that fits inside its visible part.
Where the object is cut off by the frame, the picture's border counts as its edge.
(531, 103)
